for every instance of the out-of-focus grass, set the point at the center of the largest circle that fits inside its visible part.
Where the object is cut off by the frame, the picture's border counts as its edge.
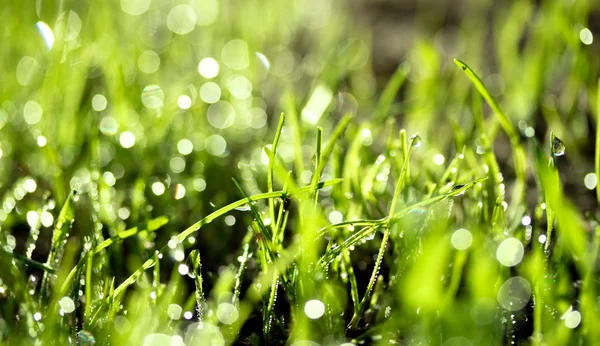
(151, 191)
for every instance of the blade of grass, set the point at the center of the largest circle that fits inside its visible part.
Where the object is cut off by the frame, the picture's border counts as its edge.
(197, 270)
(150, 226)
(270, 172)
(59, 237)
(196, 226)
(361, 306)
(391, 90)
(519, 156)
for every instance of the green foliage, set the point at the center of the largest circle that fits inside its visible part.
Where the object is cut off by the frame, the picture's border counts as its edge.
(139, 199)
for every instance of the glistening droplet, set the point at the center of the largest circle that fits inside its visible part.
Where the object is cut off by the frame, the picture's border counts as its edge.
(415, 140)
(558, 147)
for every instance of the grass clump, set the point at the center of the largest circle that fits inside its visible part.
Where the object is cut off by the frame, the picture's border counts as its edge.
(142, 198)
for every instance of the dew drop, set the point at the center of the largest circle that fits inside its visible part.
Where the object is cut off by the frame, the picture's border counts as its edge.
(415, 140)
(558, 147)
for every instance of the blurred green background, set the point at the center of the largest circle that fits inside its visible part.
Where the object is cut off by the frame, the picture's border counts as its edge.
(149, 108)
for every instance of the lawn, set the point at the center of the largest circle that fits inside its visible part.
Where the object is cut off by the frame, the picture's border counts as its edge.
(301, 172)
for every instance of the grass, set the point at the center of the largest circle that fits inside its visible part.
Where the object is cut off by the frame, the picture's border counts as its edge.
(294, 196)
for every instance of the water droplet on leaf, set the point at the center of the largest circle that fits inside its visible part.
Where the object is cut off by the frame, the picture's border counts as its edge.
(558, 147)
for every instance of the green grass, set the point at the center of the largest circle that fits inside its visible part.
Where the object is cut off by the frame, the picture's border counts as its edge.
(311, 201)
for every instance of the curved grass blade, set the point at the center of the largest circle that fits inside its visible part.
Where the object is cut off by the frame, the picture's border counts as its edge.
(270, 172)
(520, 158)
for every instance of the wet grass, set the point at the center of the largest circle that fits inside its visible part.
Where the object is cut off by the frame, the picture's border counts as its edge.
(303, 205)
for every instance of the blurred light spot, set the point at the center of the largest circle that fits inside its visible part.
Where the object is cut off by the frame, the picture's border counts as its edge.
(227, 313)
(46, 33)
(586, 36)
(69, 30)
(206, 11)
(317, 104)
(510, 252)
(148, 62)
(215, 145)
(108, 126)
(526, 220)
(177, 164)
(27, 68)
(67, 304)
(184, 102)
(37, 316)
(514, 294)
(127, 139)
(314, 309)
(210, 92)
(135, 7)
(221, 114)
(199, 184)
(183, 269)
(258, 119)
(181, 19)
(336, 217)
(174, 311)
(41, 142)
(32, 112)
(157, 339)
(306, 176)
(99, 102)
(235, 54)
(240, 87)
(208, 68)
(30, 185)
(263, 60)
(158, 188)
(529, 132)
(179, 191)
(47, 219)
(439, 159)
(230, 220)
(124, 213)
(461, 239)
(32, 218)
(572, 318)
(590, 181)
(188, 315)
(185, 147)
(542, 238)
(153, 96)
(366, 138)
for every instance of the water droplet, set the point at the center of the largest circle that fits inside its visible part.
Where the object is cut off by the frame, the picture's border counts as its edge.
(85, 338)
(586, 36)
(590, 181)
(416, 141)
(558, 147)
(67, 304)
